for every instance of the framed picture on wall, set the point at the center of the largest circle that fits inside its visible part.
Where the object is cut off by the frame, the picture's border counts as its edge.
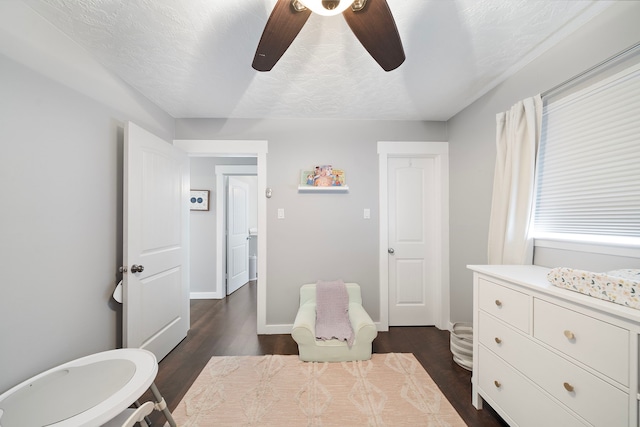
(199, 200)
(322, 176)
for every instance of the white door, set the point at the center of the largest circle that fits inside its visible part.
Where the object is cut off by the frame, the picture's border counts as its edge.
(237, 234)
(156, 215)
(411, 194)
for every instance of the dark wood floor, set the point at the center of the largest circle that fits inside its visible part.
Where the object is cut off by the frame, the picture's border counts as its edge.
(228, 327)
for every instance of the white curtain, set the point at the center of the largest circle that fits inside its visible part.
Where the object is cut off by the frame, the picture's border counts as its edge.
(517, 137)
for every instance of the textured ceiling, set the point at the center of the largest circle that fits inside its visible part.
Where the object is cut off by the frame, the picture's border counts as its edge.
(193, 57)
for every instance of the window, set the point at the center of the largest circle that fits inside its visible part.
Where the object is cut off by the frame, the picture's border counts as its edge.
(588, 171)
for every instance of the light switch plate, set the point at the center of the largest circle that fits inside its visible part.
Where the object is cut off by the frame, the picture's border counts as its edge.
(367, 213)
(280, 213)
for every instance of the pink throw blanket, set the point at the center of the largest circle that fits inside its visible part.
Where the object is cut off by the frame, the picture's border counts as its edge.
(332, 312)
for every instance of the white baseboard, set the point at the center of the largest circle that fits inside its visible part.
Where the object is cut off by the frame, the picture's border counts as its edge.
(277, 329)
(204, 295)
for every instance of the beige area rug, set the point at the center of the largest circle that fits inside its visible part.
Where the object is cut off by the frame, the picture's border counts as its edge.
(388, 390)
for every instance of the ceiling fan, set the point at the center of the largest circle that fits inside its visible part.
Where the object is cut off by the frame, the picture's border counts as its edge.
(370, 20)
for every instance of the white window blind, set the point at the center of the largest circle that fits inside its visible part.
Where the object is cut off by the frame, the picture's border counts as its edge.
(588, 182)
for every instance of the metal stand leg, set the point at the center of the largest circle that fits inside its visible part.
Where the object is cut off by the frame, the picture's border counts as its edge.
(162, 405)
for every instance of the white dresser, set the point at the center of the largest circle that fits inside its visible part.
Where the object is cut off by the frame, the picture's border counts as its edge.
(546, 356)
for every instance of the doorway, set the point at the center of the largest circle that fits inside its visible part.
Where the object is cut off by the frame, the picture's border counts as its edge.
(425, 287)
(242, 148)
(237, 240)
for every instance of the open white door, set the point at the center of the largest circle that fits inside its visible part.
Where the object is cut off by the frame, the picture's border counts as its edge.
(237, 234)
(156, 215)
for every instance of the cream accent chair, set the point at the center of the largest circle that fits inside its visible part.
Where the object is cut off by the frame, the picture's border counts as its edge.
(304, 330)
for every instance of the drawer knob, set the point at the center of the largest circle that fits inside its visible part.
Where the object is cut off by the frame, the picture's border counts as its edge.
(569, 335)
(497, 383)
(499, 303)
(498, 340)
(568, 387)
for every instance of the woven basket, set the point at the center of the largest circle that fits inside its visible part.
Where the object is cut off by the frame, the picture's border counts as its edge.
(462, 344)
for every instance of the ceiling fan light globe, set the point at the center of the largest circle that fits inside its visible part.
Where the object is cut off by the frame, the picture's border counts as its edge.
(330, 4)
(327, 7)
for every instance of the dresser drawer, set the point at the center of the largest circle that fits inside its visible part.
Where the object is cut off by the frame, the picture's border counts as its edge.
(594, 399)
(504, 303)
(512, 394)
(598, 344)
(510, 345)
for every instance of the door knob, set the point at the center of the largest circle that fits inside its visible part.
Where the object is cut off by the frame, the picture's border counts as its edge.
(137, 268)
(391, 251)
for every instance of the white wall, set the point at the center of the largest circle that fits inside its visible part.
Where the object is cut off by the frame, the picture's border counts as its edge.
(202, 229)
(323, 236)
(61, 204)
(472, 139)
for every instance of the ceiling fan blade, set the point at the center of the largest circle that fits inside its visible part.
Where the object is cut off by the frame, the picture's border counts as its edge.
(376, 29)
(281, 29)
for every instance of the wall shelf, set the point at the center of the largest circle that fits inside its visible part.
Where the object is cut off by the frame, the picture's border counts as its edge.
(311, 189)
